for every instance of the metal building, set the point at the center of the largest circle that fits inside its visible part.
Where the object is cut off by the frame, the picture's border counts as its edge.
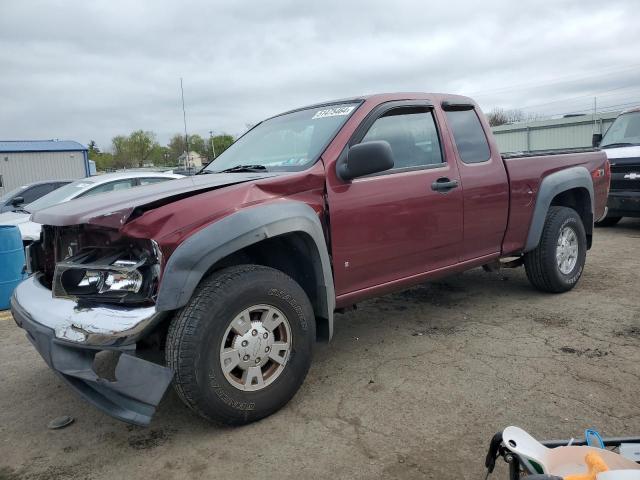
(556, 134)
(23, 162)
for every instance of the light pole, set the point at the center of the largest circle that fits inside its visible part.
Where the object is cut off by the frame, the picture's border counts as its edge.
(186, 136)
(213, 147)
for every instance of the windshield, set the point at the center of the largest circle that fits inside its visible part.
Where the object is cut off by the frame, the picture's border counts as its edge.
(625, 131)
(287, 142)
(62, 194)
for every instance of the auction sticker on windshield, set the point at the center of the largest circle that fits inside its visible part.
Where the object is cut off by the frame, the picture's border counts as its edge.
(333, 112)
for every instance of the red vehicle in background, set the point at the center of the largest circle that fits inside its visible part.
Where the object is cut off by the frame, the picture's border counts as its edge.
(237, 271)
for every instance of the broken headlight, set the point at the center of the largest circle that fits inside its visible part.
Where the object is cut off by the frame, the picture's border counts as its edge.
(112, 277)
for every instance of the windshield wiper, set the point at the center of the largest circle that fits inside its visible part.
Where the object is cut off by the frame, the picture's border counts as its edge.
(244, 168)
(619, 144)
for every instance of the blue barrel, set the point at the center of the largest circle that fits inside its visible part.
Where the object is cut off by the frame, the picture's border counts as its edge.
(11, 262)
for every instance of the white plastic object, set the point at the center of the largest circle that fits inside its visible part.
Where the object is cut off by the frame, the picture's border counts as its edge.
(619, 475)
(559, 461)
(630, 451)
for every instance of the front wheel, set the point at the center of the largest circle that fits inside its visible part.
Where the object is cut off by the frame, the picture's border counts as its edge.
(556, 264)
(242, 346)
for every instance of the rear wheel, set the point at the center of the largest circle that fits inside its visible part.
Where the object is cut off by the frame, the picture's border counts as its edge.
(608, 221)
(241, 347)
(558, 261)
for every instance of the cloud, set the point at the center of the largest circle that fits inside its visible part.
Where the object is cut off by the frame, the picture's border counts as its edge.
(90, 70)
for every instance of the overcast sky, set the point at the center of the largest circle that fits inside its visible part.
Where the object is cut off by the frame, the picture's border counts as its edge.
(84, 70)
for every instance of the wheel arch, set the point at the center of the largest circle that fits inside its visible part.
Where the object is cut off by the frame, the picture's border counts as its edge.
(287, 236)
(573, 188)
(578, 199)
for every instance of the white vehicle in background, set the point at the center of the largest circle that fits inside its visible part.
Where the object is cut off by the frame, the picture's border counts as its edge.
(110, 182)
(621, 143)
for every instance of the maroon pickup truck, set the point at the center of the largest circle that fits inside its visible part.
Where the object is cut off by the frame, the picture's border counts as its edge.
(236, 272)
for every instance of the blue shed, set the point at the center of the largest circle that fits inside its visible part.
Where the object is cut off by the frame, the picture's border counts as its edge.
(27, 161)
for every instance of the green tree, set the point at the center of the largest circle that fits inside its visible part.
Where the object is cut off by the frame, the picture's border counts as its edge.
(160, 156)
(93, 148)
(197, 144)
(176, 147)
(121, 152)
(104, 160)
(220, 144)
(140, 145)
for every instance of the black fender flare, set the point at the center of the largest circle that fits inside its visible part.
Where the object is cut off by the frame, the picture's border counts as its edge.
(198, 253)
(550, 187)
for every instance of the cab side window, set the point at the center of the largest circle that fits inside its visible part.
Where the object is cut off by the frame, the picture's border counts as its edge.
(469, 136)
(412, 134)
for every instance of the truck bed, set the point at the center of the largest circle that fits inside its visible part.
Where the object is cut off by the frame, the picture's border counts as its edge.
(546, 153)
(527, 171)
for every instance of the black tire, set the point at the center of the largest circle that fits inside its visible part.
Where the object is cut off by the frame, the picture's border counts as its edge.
(608, 221)
(196, 334)
(541, 265)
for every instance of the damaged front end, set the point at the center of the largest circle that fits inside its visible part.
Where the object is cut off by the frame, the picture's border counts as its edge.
(92, 290)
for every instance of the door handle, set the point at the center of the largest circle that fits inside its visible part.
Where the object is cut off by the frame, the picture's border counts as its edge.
(443, 184)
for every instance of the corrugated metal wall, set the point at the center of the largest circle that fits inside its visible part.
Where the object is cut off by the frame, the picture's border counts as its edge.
(25, 167)
(559, 134)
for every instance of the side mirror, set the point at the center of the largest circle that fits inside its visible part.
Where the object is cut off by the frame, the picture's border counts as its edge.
(364, 159)
(596, 139)
(17, 201)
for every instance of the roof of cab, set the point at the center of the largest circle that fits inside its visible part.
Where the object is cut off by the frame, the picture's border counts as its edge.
(388, 97)
(631, 110)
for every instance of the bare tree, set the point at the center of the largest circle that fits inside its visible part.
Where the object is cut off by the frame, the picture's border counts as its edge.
(499, 116)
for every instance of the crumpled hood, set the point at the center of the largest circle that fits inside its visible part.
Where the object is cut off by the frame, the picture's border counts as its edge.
(113, 209)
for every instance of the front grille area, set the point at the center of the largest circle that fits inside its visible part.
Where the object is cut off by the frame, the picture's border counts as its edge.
(59, 243)
(625, 174)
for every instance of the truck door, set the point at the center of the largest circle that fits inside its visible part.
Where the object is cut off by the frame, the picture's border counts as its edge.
(404, 221)
(485, 183)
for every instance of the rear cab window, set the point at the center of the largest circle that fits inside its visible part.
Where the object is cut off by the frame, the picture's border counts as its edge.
(469, 135)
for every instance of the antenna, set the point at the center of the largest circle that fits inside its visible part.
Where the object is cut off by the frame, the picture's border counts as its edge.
(186, 136)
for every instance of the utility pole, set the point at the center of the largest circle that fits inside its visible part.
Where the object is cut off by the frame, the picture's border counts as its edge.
(595, 110)
(186, 136)
(213, 147)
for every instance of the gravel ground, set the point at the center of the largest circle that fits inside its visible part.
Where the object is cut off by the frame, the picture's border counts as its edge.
(412, 386)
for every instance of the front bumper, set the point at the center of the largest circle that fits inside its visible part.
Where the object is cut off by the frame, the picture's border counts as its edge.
(68, 337)
(624, 204)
